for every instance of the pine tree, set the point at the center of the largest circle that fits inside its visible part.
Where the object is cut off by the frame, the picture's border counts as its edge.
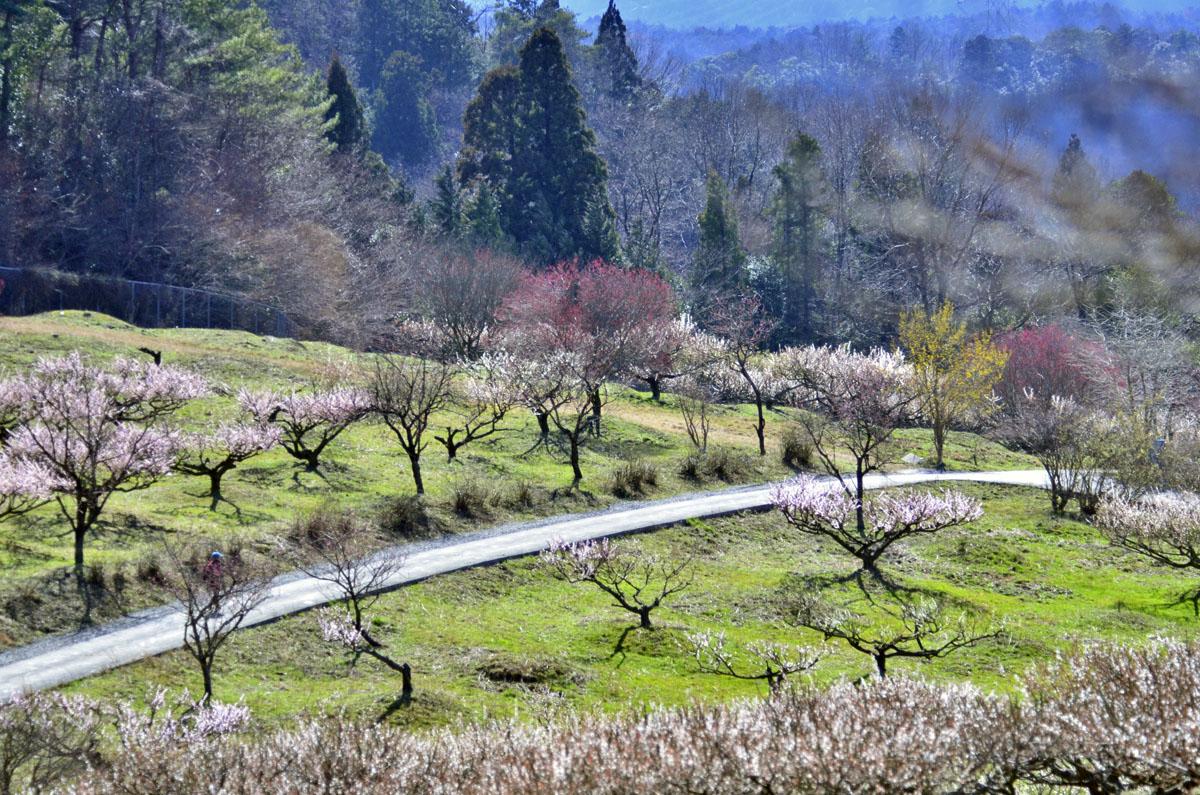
(348, 131)
(617, 61)
(719, 267)
(797, 208)
(446, 209)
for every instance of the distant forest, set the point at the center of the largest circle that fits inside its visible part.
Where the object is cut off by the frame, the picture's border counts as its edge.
(1023, 164)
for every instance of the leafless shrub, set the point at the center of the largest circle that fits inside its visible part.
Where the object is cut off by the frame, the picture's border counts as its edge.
(633, 479)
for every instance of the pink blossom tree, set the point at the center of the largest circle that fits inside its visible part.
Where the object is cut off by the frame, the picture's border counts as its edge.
(1045, 361)
(851, 404)
(99, 431)
(219, 450)
(309, 421)
(25, 485)
(637, 581)
(867, 529)
(604, 317)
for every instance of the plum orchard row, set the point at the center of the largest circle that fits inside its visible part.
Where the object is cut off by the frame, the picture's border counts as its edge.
(1106, 720)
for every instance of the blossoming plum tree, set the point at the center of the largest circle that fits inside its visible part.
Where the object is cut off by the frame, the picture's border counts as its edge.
(868, 529)
(98, 431)
(309, 421)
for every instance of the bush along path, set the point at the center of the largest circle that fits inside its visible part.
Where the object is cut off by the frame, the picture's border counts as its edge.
(61, 660)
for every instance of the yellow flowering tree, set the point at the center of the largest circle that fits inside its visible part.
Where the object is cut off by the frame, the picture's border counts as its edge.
(955, 371)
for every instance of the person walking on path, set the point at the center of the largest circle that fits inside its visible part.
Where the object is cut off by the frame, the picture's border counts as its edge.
(214, 572)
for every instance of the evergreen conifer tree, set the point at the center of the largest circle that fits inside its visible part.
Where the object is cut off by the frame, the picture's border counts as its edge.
(446, 209)
(526, 134)
(617, 61)
(797, 208)
(719, 267)
(348, 131)
(483, 218)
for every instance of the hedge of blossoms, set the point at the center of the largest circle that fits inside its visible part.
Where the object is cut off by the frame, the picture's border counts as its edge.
(1106, 720)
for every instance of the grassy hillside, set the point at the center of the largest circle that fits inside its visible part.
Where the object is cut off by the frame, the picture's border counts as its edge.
(510, 640)
(364, 469)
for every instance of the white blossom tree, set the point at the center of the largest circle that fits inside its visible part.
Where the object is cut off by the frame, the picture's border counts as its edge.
(479, 407)
(638, 582)
(1164, 528)
(869, 528)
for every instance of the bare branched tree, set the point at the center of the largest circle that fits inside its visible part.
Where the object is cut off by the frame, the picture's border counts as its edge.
(773, 662)
(637, 581)
(343, 550)
(406, 393)
(217, 593)
(918, 630)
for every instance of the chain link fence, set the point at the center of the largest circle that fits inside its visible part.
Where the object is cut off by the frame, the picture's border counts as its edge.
(28, 291)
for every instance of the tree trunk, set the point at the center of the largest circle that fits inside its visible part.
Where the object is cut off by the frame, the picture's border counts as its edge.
(206, 670)
(761, 427)
(859, 492)
(881, 664)
(406, 684)
(644, 615)
(414, 460)
(939, 444)
(543, 421)
(575, 470)
(214, 488)
(655, 389)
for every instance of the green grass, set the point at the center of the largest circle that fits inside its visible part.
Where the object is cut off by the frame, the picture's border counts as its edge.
(363, 470)
(1052, 581)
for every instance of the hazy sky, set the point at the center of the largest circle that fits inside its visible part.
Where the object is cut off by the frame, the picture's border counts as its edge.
(784, 13)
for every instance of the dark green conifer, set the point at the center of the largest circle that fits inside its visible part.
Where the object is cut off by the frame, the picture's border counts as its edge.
(348, 130)
(719, 266)
(617, 61)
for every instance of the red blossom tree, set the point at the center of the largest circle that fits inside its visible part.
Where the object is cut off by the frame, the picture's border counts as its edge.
(604, 316)
(1046, 361)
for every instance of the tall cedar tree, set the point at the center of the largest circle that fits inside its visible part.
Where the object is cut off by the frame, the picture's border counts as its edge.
(719, 268)
(799, 202)
(407, 127)
(526, 134)
(349, 126)
(617, 62)
(446, 208)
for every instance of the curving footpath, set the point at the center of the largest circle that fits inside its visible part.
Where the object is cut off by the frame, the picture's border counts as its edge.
(64, 659)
